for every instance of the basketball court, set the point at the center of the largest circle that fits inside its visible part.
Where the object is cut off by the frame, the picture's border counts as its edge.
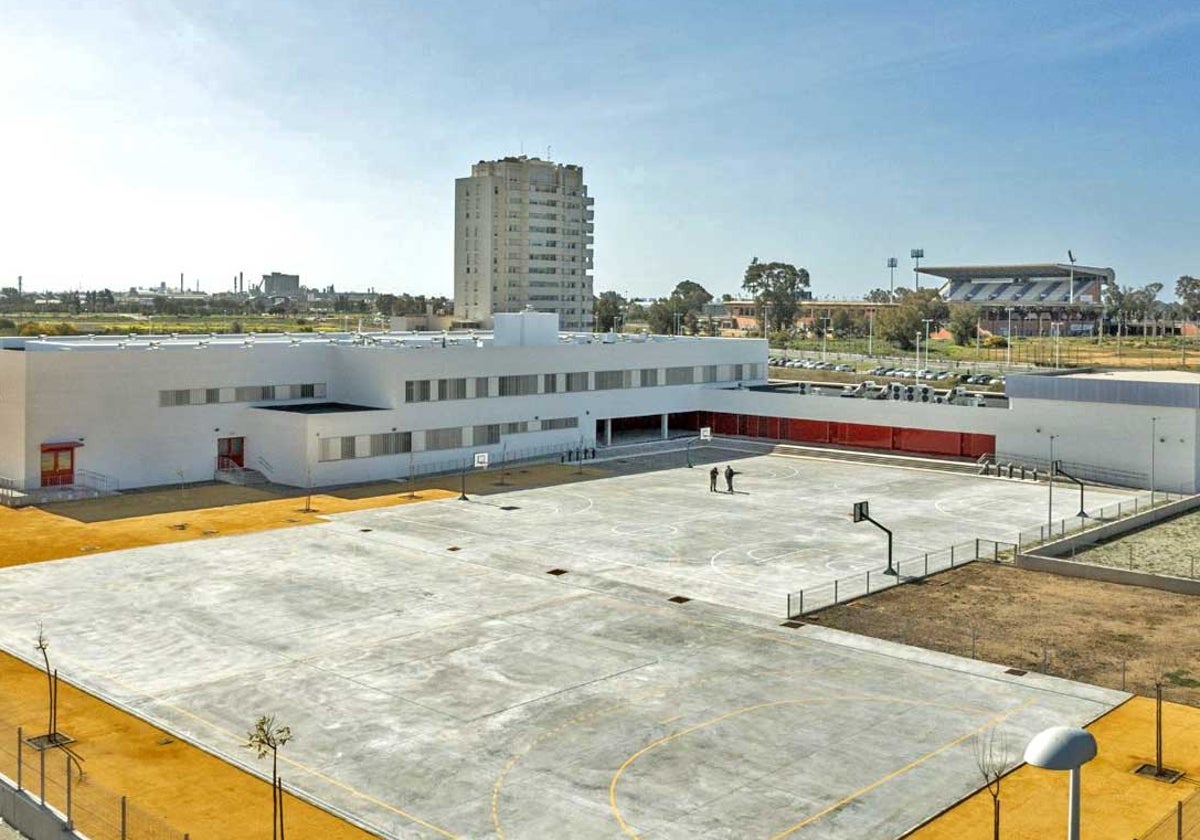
(442, 683)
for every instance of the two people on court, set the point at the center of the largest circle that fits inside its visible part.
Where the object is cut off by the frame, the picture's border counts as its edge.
(712, 479)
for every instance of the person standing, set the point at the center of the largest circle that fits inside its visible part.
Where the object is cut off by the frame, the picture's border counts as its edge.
(729, 479)
(712, 480)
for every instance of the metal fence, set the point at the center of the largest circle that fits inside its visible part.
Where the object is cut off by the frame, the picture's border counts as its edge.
(1094, 518)
(54, 778)
(913, 568)
(1183, 823)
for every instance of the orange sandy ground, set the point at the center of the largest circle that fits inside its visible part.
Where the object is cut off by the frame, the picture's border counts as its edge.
(184, 786)
(1115, 805)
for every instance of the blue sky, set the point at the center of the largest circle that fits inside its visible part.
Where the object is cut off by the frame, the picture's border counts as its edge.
(142, 140)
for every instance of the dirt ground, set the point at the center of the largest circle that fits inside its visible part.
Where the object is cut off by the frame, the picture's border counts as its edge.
(1166, 548)
(1083, 630)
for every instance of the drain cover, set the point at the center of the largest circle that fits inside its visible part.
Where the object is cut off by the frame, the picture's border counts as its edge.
(1016, 672)
(678, 599)
(557, 572)
(365, 530)
(453, 548)
(792, 624)
(509, 507)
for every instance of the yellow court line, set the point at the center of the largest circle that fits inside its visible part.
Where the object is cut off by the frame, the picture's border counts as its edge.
(366, 797)
(884, 779)
(629, 831)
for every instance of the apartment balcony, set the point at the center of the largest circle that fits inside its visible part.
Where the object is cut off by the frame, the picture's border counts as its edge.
(589, 214)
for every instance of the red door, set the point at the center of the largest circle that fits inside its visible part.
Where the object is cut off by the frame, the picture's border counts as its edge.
(231, 452)
(58, 465)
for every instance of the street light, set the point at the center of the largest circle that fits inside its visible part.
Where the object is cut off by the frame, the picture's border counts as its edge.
(824, 336)
(1008, 342)
(916, 254)
(1153, 443)
(891, 264)
(1050, 486)
(927, 322)
(917, 370)
(1057, 327)
(1064, 748)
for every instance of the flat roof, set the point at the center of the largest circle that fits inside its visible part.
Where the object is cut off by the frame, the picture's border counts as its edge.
(980, 272)
(1177, 377)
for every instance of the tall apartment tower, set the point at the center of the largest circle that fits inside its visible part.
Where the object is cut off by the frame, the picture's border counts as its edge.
(523, 238)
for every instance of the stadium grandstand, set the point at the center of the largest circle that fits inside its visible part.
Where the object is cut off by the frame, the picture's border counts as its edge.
(1038, 295)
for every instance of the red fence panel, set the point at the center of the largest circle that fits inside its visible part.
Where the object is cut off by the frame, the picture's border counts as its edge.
(861, 434)
(975, 445)
(927, 441)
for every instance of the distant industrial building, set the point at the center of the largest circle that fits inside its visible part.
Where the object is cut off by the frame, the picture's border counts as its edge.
(280, 285)
(523, 238)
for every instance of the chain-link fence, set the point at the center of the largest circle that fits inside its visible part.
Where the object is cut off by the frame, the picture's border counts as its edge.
(1093, 518)
(56, 778)
(1183, 823)
(919, 566)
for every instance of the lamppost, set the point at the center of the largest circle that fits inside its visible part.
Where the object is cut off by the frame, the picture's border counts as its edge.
(1071, 294)
(1064, 748)
(916, 254)
(892, 262)
(1057, 327)
(917, 366)
(1153, 444)
(927, 322)
(824, 336)
(1008, 342)
(1050, 488)
(871, 332)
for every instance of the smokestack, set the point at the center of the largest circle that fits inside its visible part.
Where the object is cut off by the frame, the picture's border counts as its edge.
(20, 282)
(241, 282)
(181, 281)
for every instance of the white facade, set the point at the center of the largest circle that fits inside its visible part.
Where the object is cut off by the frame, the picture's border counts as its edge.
(523, 238)
(155, 411)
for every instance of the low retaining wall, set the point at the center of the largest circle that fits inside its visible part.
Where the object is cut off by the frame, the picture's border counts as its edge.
(1070, 568)
(1111, 529)
(1048, 557)
(32, 819)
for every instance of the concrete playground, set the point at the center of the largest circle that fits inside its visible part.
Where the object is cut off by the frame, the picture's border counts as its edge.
(441, 684)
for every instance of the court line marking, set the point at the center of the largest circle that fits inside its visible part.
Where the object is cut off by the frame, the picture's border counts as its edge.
(215, 753)
(994, 721)
(631, 832)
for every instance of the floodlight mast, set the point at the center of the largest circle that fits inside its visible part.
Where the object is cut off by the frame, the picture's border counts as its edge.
(917, 254)
(892, 262)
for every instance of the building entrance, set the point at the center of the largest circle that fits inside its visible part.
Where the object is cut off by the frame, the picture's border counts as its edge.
(231, 452)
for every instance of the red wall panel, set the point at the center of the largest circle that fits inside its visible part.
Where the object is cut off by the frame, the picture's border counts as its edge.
(975, 445)
(861, 434)
(725, 424)
(808, 431)
(927, 441)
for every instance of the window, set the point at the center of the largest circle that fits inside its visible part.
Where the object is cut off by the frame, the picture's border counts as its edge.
(449, 438)
(452, 389)
(331, 449)
(212, 395)
(486, 435)
(649, 377)
(169, 399)
(681, 375)
(560, 423)
(348, 447)
(739, 372)
(710, 373)
(391, 443)
(517, 428)
(519, 385)
(481, 387)
(609, 379)
(577, 381)
(416, 390)
(550, 383)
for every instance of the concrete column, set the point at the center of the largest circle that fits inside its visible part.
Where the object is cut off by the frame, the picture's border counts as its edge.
(664, 426)
(608, 431)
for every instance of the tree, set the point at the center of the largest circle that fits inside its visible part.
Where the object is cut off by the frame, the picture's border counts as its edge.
(993, 757)
(1187, 289)
(963, 322)
(841, 323)
(607, 308)
(43, 646)
(267, 737)
(660, 317)
(899, 325)
(878, 296)
(779, 287)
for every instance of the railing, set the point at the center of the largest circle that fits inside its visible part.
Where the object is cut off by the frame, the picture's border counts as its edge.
(917, 567)
(56, 779)
(1183, 823)
(15, 493)
(1087, 472)
(1093, 518)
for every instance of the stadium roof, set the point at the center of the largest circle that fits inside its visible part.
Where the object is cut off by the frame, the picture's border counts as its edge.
(1008, 272)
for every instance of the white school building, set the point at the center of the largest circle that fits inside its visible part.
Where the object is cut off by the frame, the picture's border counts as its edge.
(326, 409)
